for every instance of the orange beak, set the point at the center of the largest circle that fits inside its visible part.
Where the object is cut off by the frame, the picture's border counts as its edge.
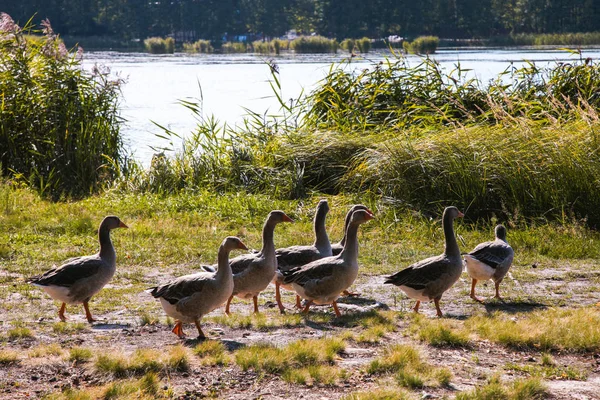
(460, 215)
(242, 246)
(287, 219)
(122, 225)
(370, 216)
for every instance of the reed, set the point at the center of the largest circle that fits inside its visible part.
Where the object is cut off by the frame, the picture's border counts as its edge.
(60, 129)
(199, 46)
(158, 45)
(422, 45)
(234, 47)
(547, 39)
(314, 44)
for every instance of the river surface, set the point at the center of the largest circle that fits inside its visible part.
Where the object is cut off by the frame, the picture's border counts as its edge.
(226, 85)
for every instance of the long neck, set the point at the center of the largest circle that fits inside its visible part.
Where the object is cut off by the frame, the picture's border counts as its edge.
(107, 250)
(321, 238)
(451, 249)
(224, 269)
(346, 223)
(268, 246)
(350, 251)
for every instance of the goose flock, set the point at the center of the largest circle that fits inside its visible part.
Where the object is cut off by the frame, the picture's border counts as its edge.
(319, 273)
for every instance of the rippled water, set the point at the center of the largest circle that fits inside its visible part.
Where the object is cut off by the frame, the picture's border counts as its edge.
(230, 83)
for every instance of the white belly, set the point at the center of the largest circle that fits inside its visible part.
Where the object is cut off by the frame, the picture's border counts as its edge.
(478, 270)
(414, 294)
(59, 293)
(171, 311)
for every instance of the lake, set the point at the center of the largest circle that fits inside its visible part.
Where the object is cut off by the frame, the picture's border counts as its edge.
(229, 84)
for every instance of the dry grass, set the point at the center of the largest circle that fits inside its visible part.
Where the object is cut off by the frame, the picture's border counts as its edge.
(212, 352)
(439, 332)
(530, 389)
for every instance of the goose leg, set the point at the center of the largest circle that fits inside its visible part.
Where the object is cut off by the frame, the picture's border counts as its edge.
(88, 314)
(201, 335)
(336, 309)
(497, 284)
(255, 300)
(350, 294)
(472, 295)
(437, 306)
(227, 306)
(278, 298)
(178, 330)
(416, 308)
(306, 307)
(61, 312)
(298, 302)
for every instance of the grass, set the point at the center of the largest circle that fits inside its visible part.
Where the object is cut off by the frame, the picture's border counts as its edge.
(143, 361)
(531, 388)
(19, 331)
(212, 352)
(80, 354)
(63, 328)
(306, 361)
(314, 44)
(8, 357)
(573, 330)
(380, 394)
(439, 333)
(405, 362)
(199, 46)
(44, 350)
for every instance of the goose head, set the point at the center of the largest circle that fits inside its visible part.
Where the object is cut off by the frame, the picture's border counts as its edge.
(233, 243)
(500, 232)
(112, 222)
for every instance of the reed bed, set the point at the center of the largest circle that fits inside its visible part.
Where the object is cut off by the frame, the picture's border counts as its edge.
(314, 44)
(422, 45)
(199, 46)
(59, 129)
(361, 45)
(548, 39)
(234, 47)
(158, 45)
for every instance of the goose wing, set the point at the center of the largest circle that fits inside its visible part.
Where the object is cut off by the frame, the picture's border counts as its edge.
(68, 274)
(491, 253)
(296, 256)
(182, 287)
(420, 274)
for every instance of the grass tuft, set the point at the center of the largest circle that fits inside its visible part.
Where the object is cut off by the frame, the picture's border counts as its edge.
(530, 389)
(439, 332)
(212, 352)
(80, 354)
(8, 357)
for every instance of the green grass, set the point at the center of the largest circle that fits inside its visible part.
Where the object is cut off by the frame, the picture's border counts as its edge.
(19, 331)
(158, 45)
(314, 44)
(212, 352)
(199, 46)
(142, 361)
(8, 357)
(380, 394)
(530, 388)
(571, 330)
(408, 367)
(439, 333)
(63, 328)
(80, 354)
(44, 350)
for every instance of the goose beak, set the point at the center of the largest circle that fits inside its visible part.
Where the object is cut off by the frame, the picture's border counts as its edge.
(369, 211)
(122, 225)
(370, 216)
(287, 219)
(242, 246)
(460, 215)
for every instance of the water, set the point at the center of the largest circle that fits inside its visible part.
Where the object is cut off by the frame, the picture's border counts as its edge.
(228, 84)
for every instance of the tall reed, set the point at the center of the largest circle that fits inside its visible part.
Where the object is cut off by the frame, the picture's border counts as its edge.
(199, 46)
(158, 45)
(421, 45)
(59, 128)
(314, 44)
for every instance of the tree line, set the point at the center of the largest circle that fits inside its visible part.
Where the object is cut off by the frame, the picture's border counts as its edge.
(214, 19)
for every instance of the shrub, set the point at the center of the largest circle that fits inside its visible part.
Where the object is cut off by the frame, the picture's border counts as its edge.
(60, 129)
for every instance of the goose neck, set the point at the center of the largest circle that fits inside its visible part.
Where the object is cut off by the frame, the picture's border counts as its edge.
(451, 248)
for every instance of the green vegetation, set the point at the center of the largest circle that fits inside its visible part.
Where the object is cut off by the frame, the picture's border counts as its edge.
(80, 354)
(314, 44)
(8, 357)
(361, 45)
(306, 361)
(158, 45)
(199, 46)
(439, 333)
(44, 350)
(212, 352)
(553, 329)
(380, 394)
(532, 389)
(234, 47)
(421, 45)
(404, 361)
(60, 124)
(142, 361)
(547, 39)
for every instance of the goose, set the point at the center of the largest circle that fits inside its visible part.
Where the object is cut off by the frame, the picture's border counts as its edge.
(322, 281)
(190, 297)
(338, 247)
(252, 273)
(428, 279)
(296, 256)
(80, 278)
(490, 260)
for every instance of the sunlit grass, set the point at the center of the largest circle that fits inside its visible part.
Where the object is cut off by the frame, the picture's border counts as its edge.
(80, 354)
(530, 388)
(143, 361)
(574, 330)
(68, 328)
(408, 367)
(44, 350)
(439, 332)
(380, 394)
(8, 357)
(212, 352)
